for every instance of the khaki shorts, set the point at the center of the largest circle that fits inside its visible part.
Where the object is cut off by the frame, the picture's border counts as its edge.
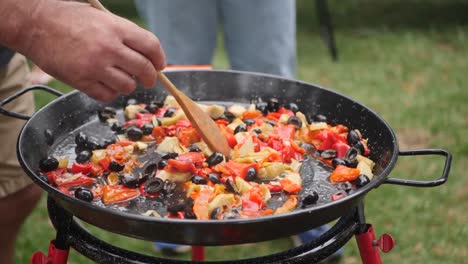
(13, 77)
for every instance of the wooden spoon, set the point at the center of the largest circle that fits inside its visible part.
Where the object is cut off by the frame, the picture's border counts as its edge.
(201, 121)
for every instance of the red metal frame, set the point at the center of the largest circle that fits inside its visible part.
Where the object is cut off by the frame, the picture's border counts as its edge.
(54, 256)
(369, 246)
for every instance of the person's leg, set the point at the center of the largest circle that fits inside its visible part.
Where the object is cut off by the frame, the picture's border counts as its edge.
(260, 35)
(186, 28)
(18, 196)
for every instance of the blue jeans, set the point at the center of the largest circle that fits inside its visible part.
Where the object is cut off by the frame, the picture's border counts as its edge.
(260, 35)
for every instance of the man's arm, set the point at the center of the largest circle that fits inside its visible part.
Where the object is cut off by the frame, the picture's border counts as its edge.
(96, 52)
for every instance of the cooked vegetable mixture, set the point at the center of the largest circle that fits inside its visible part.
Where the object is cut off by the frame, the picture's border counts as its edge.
(158, 155)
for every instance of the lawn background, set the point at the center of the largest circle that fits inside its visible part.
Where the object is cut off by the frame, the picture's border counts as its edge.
(407, 60)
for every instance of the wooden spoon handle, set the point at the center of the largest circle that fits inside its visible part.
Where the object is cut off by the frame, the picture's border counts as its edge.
(201, 121)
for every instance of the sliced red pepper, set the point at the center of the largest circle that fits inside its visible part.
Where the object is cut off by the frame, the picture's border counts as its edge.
(289, 186)
(342, 174)
(251, 114)
(144, 116)
(124, 143)
(80, 181)
(64, 191)
(188, 136)
(274, 187)
(284, 111)
(180, 165)
(200, 204)
(285, 132)
(84, 168)
(96, 170)
(52, 175)
(232, 142)
(104, 163)
(191, 157)
(183, 123)
(159, 133)
(222, 122)
(341, 149)
(118, 193)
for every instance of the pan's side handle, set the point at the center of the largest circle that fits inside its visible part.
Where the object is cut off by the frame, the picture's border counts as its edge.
(441, 180)
(21, 92)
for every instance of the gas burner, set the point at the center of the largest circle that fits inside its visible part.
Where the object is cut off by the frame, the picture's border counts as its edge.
(71, 234)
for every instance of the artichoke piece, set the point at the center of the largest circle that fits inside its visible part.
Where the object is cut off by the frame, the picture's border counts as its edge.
(178, 115)
(170, 144)
(303, 118)
(247, 148)
(215, 111)
(266, 192)
(221, 200)
(174, 176)
(171, 102)
(242, 185)
(294, 177)
(151, 213)
(318, 126)
(235, 123)
(237, 110)
(131, 110)
(288, 206)
(366, 166)
(98, 155)
(271, 170)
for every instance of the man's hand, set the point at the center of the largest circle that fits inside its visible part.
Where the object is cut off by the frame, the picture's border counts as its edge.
(96, 52)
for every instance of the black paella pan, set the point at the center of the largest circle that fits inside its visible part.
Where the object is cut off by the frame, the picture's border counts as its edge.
(73, 112)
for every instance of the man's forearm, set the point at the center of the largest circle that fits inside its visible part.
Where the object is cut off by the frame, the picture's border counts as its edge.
(17, 25)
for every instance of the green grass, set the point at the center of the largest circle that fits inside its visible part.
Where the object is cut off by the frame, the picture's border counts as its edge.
(407, 60)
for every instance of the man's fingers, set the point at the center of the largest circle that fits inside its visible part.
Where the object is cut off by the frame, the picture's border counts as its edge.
(135, 64)
(148, 45)
(118, 80)
(100, 91)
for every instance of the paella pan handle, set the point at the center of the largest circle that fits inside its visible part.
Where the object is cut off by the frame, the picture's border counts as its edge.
(21, 92)
(441, 180)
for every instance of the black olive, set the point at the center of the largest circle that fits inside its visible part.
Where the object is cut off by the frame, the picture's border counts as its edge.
(176, 207)
(257, 130)
(78, 149)
(271, 122)
(150, 169)
(352, 138)
(249, 121)
(328, 154)
(129, 180)
(132, 101)
(231, 187)
(251, 174)
(262, 107)
(134, 133)
(231, 215)
(319, 118)
(153, 185)
(81, 139)
(92, 144)
(350, 157)
(296, 121)
(240, 128)
(309, 148)
(188, 211)
(292, 106)
(338, 161)
(169, 187)
(106, 113)
(214, 178)
(197, 179)
(361, 181)
(310, 199)
(215, 213)
(215, 158)
(162, 163)
(170, 112)
(273, 104)
(84, 194)
(359, 146)
(43, 177)
(48, 164)
(147, 129)
(49, 137)
(108, 142)
(115, 166)
(152, 108)
(229, 116)
(83, 156)
(170, 155)
(117, 127)
(194, 148)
